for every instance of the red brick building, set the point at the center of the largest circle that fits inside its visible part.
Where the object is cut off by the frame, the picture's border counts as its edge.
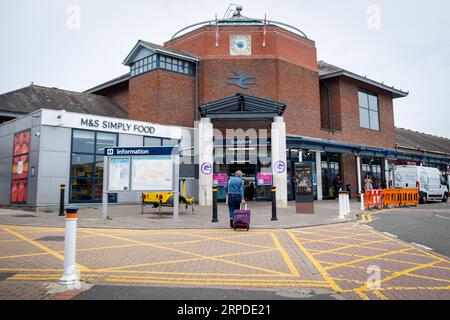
(243, 73)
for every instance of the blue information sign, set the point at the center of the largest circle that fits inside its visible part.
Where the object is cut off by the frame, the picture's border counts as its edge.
(140, 151)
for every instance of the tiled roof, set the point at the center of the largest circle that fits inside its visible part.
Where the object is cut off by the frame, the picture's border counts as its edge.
(35, 97)
(417, 140)
(327, 70)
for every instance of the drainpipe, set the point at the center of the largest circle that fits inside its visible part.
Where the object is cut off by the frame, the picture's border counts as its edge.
(196, 90)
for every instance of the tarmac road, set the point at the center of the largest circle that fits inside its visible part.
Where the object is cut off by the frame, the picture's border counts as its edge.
(427, 225)
(101, 292)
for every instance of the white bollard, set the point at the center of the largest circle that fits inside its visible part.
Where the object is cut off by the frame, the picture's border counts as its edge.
(362, 202)
(70, 275)
(342, 204)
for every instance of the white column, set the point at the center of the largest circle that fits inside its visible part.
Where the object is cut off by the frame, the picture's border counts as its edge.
(386, 172)
(448, 181)
(204, 145)
(358, 172)
(279, 164)
(319, 175)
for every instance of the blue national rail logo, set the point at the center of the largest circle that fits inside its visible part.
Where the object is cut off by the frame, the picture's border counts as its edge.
(241, 79)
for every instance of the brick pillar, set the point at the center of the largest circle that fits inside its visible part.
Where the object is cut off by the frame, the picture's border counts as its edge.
(348, 165)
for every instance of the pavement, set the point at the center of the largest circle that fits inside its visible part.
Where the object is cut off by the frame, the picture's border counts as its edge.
(130, 217)
(334, 260)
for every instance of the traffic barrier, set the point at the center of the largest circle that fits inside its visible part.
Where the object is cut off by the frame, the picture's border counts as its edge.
(388, 198)
(373, 199)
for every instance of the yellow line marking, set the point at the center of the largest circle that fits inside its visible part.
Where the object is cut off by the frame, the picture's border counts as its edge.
(380, 295)
(191, 253)
(183, 260)
(318, 266)
(42, 247)
(218, 279)
(25, 255)
(231, 284)
(349, 246)
(285, 256)
(398, 274)
(339, 265)
(427, 277)
(353, 236)
(227, 241)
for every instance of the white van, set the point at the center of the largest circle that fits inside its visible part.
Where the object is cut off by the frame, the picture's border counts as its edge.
(429, 181)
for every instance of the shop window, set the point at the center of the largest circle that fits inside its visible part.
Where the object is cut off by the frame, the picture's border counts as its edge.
(368, 110)
(86, 171)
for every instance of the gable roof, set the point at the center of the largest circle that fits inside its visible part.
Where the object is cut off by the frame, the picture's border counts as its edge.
(242, 106)
(158, 49)
(35, 97)
(327, 71)
(421, 141)
(123, 78)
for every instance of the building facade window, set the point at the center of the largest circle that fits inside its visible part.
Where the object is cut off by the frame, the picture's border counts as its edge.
(368, 110)
(86, 169)
(159, 142)
(163, 62)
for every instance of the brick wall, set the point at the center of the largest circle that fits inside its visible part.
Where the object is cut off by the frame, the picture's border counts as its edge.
(351, 129)
(118, 92)
(164, 97)
(348, 173)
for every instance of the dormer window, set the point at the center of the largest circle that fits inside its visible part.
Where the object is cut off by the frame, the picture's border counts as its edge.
(163, 62)
(147, 56)
(143, 65)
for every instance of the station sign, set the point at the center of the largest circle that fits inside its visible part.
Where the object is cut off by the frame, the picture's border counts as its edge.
(140, 151)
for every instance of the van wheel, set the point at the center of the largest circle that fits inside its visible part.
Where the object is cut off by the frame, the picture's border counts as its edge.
(423, 198)
(445, 198)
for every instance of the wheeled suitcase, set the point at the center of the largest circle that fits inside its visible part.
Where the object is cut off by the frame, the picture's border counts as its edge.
(242, 218)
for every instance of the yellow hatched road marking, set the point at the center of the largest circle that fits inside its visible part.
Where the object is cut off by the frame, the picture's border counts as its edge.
(364, 259)
(350, 246)
(285, 256)
(227, 241)
(183, 260)
(42, 247)
(191, 253)
(318, 266)
(398, 274)
(231, 283)
(353, 236)
(380, 295)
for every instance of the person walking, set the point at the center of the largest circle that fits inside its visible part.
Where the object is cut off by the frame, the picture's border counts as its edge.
(235, 194)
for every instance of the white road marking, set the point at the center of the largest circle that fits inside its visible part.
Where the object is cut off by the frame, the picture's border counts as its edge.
(390, 234)
(436, 215)
(422, 246)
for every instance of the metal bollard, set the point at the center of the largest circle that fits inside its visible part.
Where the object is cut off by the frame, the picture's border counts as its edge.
(347, 199)
(274, 204)
(71, 274)
(62, 189)
(214, 206)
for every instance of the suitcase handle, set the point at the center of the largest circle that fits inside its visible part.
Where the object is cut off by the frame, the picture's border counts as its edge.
(242, 205)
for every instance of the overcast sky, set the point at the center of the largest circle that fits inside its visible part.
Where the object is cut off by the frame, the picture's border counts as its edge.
(403, 43)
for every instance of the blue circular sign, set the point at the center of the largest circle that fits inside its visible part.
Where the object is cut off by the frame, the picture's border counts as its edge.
(280, 166)
(206, 168)
(240, 44)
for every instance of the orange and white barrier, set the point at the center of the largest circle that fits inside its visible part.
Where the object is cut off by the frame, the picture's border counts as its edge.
(377, 199)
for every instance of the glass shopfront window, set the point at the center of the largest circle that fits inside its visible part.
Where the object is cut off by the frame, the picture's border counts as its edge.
(86, 170)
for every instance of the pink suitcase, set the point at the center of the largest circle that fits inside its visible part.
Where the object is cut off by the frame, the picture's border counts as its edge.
(242, 218)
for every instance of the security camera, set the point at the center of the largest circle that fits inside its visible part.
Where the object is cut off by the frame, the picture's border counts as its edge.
(37, 134)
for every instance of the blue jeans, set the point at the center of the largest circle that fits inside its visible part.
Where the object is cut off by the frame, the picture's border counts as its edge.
(234, 203)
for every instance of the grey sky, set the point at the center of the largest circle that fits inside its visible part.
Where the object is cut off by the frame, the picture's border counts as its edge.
(408, 47)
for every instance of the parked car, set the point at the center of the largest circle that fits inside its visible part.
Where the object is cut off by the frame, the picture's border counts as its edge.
(431, 184)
